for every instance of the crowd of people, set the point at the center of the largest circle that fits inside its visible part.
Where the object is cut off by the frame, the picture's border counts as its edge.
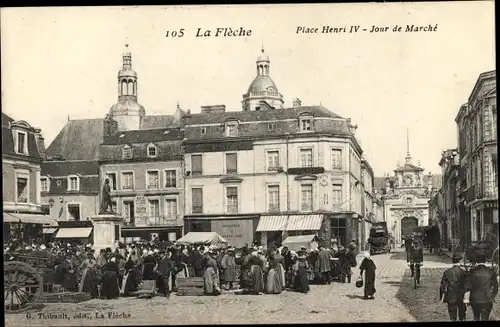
(112, 273)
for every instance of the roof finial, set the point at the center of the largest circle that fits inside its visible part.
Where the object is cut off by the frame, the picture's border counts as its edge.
(262, 47)
(178, 106)
(68, 118)
(407, 142)
(126, 42)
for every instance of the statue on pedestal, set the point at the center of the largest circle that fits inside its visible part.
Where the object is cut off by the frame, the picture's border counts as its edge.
(106, 206)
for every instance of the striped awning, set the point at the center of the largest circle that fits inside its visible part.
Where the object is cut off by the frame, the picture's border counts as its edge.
(81, 232)
(25, 218)
(272, 223)
(304, 222)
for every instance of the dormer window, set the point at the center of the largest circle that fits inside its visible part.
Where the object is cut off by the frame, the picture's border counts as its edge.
(21, 142)
(73, 183)
(127, 152)
(232, 129)
(152, 151)
(44, 184)
(305, 124)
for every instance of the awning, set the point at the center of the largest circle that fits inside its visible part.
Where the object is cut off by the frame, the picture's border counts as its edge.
(304, 222)
(82, 232)
(272, 223)
(202, 237)
(25, 218)
(296, 242)
(49, 230)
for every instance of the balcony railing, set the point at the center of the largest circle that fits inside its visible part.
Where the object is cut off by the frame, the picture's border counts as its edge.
(231, 171)
(274, 208)
(232, 209)
(196, 173)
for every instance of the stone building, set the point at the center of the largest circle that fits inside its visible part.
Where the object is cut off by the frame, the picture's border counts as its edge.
(369, 201)
(22, 153)
(451, 231)
(478, 175)
(267, 172)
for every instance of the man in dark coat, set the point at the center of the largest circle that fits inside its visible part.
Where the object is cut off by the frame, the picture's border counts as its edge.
(164, 270)
(324, 264)
(452, 289)
(482, 285)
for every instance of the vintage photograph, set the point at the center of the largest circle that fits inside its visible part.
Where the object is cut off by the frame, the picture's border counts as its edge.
(258, 164)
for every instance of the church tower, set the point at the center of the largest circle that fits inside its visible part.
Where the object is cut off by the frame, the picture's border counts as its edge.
(127, 112)
(262, 93)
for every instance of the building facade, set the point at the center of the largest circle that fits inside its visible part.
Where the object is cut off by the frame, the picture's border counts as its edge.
(478, 174)
(144, 170)
(369, 201)
(266, 172)
(22, 153)
(451, 231)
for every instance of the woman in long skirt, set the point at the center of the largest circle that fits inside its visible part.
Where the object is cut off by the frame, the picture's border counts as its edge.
(301, 283)
(110, 288)
(368, 266)
(274, 281)
(211, 276)
(131, 280)
(88, 283)
(257, 278)
(280, 261)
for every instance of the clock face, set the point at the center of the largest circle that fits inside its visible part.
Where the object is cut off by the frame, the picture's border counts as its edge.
(408, 180)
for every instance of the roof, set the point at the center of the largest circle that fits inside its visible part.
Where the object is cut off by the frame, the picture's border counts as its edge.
(145, 136)
(254, 116)
(65, 168)
(262, 83)
(6, 120)
(80, 139)
(409, 167)
(8, 140)
(379, 182)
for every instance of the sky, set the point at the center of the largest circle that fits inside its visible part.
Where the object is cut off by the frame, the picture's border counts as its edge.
(63, 62)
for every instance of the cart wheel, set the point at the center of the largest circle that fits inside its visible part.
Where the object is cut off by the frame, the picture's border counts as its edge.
(23, 286)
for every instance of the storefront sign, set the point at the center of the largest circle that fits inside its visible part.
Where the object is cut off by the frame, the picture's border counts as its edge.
(236, 232)
(140, 206)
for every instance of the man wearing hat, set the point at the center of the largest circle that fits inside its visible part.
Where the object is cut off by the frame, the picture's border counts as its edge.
(164, 271)
(481, 287)
(228, 264)
(416, 257)
(452, 289)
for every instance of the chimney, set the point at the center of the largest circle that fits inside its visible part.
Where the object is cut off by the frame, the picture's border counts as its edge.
(297, 103)
(40, 142)
(214, 109)
(110, 126)
(429, 182)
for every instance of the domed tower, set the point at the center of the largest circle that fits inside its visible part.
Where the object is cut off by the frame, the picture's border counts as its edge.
(127, 112)
(262, 89)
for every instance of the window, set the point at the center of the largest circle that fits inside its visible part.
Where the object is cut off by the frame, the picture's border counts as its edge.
(232, 199)
(129, 212)
(152, 151)
(273, 160)
(74, 211)
(171, 208)
(154, 208)
(231, 163)
(197, 200)
(22, 190)
(153, 181)
(45, 184)
(73, 183)
(128, 181)
(273, 196)
(336, 159)
(112, 180)
(203, 130)
(337, 197)
(196, 164)
(270, 127)
(305, 124)
(22, 143)
(232, 129)
(306, 158)
(170, 178)
(306, 198)
(338, 230)
(127, 152)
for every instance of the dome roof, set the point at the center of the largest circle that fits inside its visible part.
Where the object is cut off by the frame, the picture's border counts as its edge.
(263, 57)
(127, 73)
(126, 105)
(262, 83)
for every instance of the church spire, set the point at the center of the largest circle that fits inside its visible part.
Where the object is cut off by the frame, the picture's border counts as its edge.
(408, 156)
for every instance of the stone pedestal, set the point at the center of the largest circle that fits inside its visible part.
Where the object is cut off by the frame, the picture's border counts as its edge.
(107, 231)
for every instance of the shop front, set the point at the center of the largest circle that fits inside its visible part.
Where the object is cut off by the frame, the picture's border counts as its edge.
(75, 232)
(273, 230)
(149, 233)
(344, 227)
(238, 231)
(25, 225)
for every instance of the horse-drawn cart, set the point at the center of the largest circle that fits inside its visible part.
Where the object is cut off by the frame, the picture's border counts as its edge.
(25, 277)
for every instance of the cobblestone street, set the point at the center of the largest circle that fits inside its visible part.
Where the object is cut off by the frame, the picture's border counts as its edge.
(395, 301)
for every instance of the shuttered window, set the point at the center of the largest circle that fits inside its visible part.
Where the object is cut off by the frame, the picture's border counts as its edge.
(231, 163)
(197, 200)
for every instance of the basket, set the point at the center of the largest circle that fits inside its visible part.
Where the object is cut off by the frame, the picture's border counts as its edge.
(359, 282)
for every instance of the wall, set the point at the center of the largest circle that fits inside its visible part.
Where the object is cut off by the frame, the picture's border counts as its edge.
(32, 172)
(89, 206)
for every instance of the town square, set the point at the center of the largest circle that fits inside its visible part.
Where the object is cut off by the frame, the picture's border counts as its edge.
(161, 177)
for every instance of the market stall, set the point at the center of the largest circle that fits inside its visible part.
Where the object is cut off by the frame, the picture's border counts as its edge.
(310, 241)
(205, 238)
